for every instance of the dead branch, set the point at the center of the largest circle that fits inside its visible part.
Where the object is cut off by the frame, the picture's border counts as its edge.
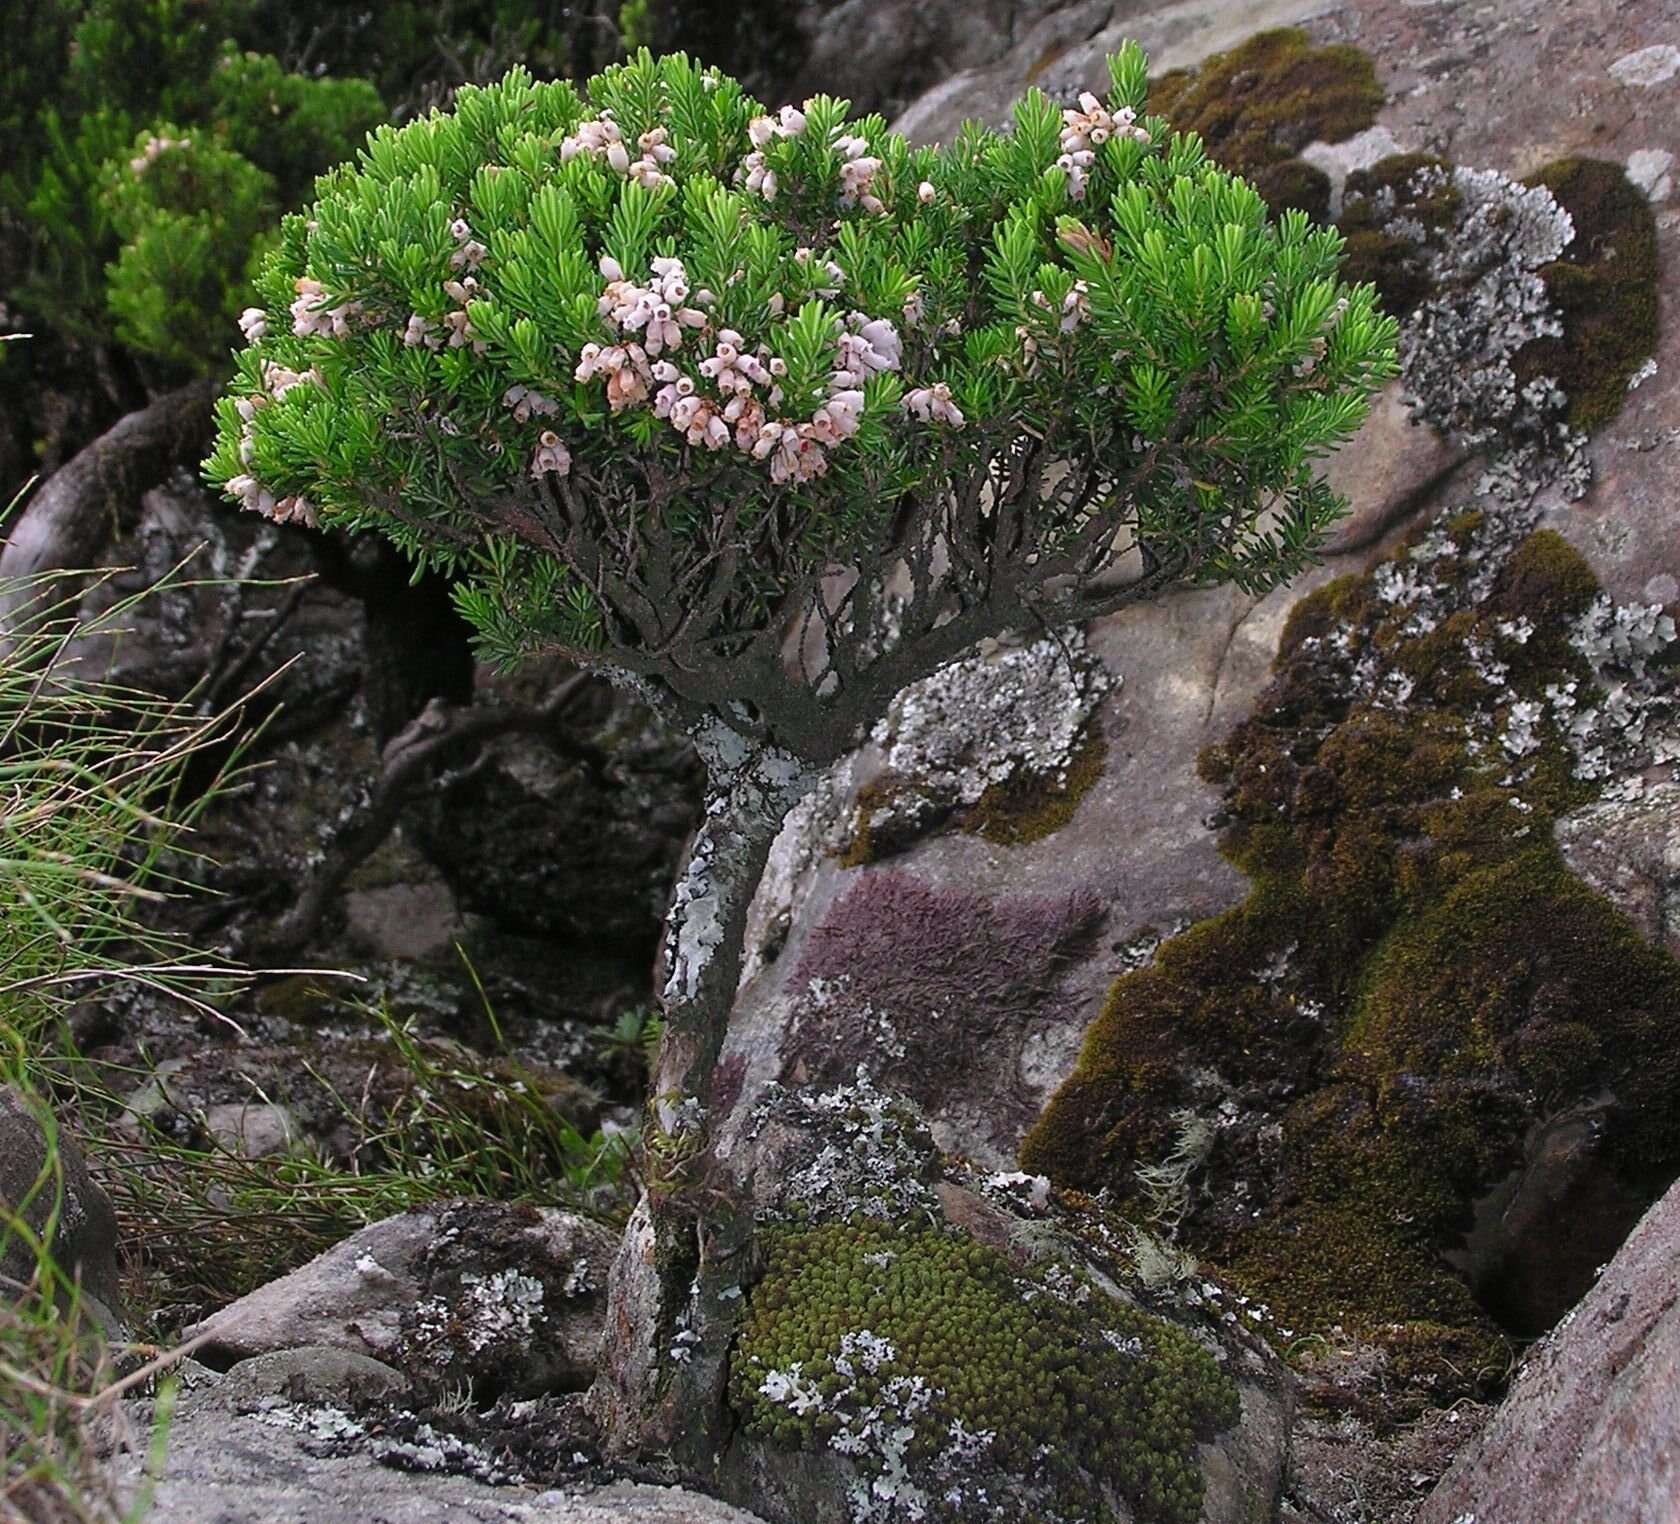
(406, 759)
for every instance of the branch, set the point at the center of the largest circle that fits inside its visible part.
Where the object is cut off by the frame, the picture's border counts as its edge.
(407, 756)
(68, 523)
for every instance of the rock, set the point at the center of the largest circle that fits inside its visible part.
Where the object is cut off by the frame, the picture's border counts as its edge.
(904, 1341)
(1339, 160)
(579, 862)
(316, 1373)
(417, 921)
(1629, 851)
(239, 1457)
(1540, 1235)
(501, 1298)
(84, 1238)
(1064, 52)
(252, 1129)
(880, 54)
(1591, 1428)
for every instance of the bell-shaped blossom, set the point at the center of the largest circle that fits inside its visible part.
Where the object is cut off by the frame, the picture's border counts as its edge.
(934, 404)
(551, 454)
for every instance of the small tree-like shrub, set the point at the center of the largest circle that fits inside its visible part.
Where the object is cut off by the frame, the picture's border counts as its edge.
(192, 217)
(769, 415)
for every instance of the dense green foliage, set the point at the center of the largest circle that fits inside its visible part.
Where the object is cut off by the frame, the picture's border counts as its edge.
(153, 249)
(437, 331)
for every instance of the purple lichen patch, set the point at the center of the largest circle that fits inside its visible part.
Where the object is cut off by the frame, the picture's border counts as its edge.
(939, 991)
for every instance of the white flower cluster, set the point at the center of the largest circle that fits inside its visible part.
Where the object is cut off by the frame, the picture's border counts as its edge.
(253, 323)
(603, 138)
(1076, 306)
(744, 383)
(754, 173)
(252, 494)
(1084, 131)
(155, 147)
(655, 311)
(858, 168)
(461, 289)
(551, 455)
(312, 315)
(469, 253)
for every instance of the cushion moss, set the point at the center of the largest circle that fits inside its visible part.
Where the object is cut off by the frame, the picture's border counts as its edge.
(1605, 286)
(1258, 105)
(1448, 980)
(926, 1353)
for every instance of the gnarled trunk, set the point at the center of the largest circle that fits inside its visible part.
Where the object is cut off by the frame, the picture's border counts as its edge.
(675, 1289)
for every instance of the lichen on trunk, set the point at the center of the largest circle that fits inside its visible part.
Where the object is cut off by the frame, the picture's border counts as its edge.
(676, 1285)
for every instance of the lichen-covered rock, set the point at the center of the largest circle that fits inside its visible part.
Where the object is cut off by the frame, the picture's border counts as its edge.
(482, 1295)
(924, 1341)
(1000, 740)
(1415, 979)
(1629, 851)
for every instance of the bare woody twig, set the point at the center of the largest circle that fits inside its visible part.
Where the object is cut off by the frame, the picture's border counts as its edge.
(69, 520)
(407, 756)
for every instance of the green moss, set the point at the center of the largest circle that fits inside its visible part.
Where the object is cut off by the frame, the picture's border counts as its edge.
(1605, 285)
(1294, 184)
(1520, 966)
(1027, 807)
(1447, 978)
(1419, 187)
(884, 827)
(893, 813)
(1118, 1396)
(1257, 106)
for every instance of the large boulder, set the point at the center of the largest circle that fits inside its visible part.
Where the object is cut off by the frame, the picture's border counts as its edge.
(1405, 1189)
(1591, 1428)
(44, 1178)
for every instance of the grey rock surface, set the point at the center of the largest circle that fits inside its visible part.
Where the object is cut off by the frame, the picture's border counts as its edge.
(504, 1298)
(260, 1467)
(1062, 51)
(1591, 1429)
(1629, 850)
(84, 1240)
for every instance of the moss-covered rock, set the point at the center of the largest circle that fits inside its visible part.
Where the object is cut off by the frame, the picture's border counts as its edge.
(1605, 287)
(922, 1341)
(1390, 213)
(1415, 979)
(1029, 808)
(1258, 105)
(923, 1353)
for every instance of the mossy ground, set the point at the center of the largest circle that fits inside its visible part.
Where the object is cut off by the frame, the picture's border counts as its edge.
(1605, 285)
(1258, 105)
(925, 1351)
(1414, 978)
